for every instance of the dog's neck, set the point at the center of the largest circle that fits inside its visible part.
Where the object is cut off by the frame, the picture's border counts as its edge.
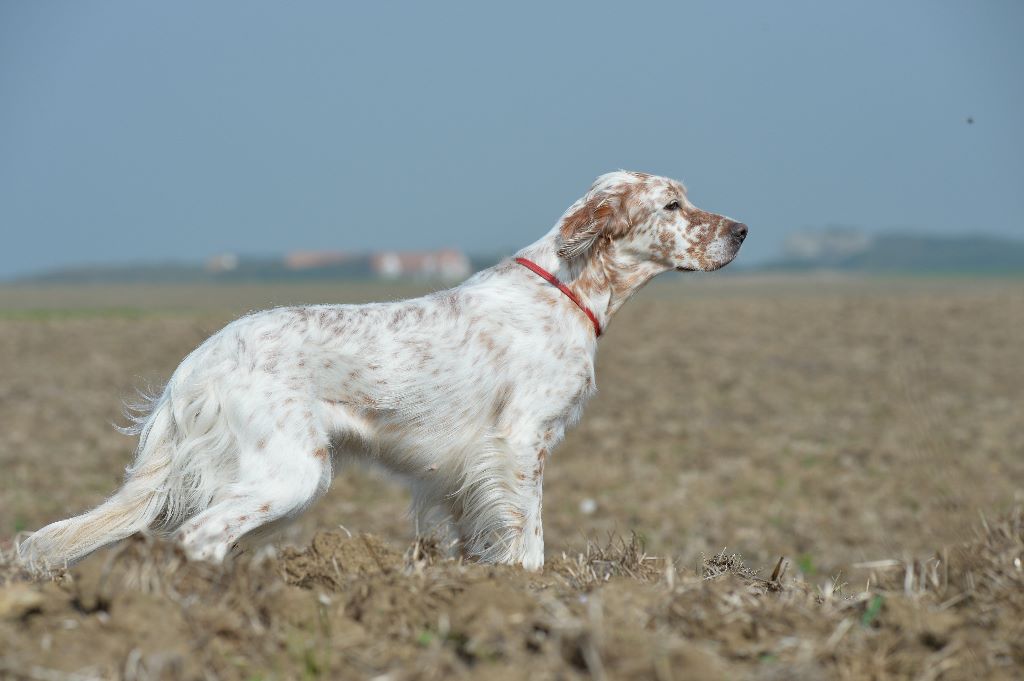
(603, 279)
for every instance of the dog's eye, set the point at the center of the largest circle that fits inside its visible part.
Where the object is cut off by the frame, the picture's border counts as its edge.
(672, 206)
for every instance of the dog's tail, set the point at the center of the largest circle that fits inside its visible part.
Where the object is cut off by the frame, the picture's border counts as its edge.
(137, 505)
(187, 453)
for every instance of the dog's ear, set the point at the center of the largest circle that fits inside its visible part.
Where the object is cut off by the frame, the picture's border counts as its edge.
(600, 213)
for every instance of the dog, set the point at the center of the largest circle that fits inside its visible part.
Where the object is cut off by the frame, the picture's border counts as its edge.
(463, 393)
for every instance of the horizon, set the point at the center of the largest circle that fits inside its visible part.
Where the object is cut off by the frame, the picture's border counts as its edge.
(782, 259)
(140, 134)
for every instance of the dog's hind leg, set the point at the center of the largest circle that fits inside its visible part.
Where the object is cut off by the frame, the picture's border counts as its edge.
(275, 485)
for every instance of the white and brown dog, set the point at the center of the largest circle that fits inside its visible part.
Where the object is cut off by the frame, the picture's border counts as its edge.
(464, 393)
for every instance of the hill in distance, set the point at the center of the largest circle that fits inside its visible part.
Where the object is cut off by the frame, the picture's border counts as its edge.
(853, 250)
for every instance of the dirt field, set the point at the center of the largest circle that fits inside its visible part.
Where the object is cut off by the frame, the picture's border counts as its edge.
(868, 431)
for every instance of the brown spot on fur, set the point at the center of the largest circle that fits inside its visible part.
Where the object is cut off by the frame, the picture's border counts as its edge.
(396, 321)
(501, 402)
(452, 304)
(320, 454)
(265, 508)
(488, 341)
(261, 444)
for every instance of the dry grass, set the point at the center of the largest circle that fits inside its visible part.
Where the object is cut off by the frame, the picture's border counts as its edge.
(616, 557)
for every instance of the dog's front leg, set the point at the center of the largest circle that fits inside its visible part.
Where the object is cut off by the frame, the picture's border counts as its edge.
(498, 514)
(532, 551)
(527, 545)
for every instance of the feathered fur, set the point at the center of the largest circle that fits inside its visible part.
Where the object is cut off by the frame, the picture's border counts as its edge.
(463, 393)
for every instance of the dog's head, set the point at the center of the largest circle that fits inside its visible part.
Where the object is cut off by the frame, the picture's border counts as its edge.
(635, 219)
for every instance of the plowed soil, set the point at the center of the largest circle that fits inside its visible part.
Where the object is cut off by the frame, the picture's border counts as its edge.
(799, 478)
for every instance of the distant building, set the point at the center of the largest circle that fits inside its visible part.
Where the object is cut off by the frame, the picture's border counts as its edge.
(308, 260)
(225, 262)
(448, 264)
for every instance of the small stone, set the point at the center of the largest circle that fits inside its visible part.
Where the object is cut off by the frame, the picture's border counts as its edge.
(18, 600)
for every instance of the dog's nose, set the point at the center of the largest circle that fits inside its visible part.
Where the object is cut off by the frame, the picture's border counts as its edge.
(738, 231)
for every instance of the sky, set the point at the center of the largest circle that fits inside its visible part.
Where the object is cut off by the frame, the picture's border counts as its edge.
(144, 131)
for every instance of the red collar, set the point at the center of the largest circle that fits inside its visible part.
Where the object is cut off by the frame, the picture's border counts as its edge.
(552, 279)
